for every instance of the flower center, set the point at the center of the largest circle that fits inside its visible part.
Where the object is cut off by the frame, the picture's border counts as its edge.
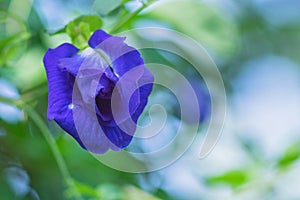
(103, 98)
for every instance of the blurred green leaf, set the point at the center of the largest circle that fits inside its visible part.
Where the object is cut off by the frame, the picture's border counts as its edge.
(13, 38)
(28, 71)
(18, 37)
(134, 193)
(114, 192)
(233, 178)
(201, 22)
(84, 190)
(109, 191)
(290, 156)
(104, 7)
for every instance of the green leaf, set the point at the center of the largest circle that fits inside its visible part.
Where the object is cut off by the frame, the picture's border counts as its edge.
(104, 7)
(94, 21)
(233, 178)
(290, 156)
(79, 33)
(81, 28)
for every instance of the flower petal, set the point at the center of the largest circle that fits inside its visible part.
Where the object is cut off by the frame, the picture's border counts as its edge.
(60, 86)
(95, 136)
(90, 131)
(118, 137)
(146, 84)
(98, 37)
(60, 82)
(122, 57)
(131, 95)
(70, 64)
(127, 61)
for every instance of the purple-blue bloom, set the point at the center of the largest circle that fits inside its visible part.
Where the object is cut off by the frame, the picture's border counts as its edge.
(97, 95)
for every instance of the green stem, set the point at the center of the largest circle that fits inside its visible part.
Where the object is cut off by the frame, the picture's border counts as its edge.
(129, 17)
(34, 93)
(50, 140)
(27, 96)
(36, 118)
(53, 146)
(8, 101)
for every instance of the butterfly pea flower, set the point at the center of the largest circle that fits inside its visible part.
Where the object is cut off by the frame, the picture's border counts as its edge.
(97, 95)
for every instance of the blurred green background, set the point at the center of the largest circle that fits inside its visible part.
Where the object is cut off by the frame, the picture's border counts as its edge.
(255, 45)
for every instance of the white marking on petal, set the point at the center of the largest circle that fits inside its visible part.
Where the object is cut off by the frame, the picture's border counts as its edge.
(71, 106)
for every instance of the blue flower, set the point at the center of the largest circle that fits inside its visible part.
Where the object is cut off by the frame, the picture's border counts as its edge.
(97, 95)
